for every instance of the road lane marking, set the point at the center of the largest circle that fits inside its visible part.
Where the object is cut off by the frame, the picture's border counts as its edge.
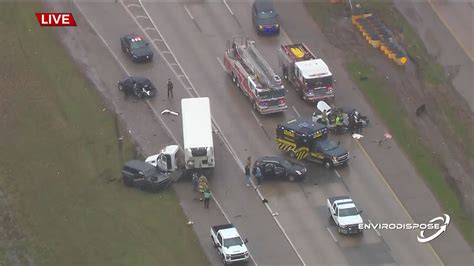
(228, 8)
(382, 177)
(145, 29)
(451, 31)
(296, 111)
(220, 62)
(140, 16)
(133, 5)
(157, 40)
(375, 229)
(189, 12)
(231, 12)
(256, 118)
(337, 173)
(157, 115)
(332, 235)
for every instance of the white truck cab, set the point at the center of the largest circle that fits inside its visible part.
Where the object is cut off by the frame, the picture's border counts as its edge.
(166, 159)
(229, 244)
(345, 214)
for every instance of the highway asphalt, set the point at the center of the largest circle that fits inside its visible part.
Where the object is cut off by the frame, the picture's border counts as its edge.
(197, 33)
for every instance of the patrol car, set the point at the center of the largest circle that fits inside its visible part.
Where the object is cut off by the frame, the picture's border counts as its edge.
(303, 139)
(134, 46)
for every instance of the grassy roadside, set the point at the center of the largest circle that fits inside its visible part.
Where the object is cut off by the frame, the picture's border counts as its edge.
(384, 100)
(60, 164)
(376, 90)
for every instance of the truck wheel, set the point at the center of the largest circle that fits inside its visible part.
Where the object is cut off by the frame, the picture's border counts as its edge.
(327, 164)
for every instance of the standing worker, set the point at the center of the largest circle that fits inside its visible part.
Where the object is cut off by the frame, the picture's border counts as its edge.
(247, 174)
(339, 123)
(202, 185)
(207, 198)
(258, 175)
(170, 88)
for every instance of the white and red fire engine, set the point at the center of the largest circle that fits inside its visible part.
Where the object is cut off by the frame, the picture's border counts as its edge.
(254, 76)
(309, 75)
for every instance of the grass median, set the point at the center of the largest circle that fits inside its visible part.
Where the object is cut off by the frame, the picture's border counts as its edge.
(60, 164)
(378, 93)
(384, 101)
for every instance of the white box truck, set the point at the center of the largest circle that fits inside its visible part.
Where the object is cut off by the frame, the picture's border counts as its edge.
(197, 133)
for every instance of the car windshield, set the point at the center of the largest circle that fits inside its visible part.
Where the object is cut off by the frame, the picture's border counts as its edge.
(235, 241)
(266, 14)
(268, 94)
(327, 145)
(348, 212)
(138, 44)
(319, 82)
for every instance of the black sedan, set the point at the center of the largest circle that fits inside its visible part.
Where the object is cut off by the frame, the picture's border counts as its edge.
(278, 167)
(135, 47)
(265, 18)
(137, 86)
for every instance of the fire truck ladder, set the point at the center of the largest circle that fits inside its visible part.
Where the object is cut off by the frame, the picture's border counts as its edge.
(259, 66)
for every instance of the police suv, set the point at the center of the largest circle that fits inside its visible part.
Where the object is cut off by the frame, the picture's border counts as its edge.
(303, 139)
(135, 47)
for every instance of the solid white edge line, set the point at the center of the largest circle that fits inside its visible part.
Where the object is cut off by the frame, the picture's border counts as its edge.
(332, 235)
(256, 118)
(296, 111)
(228, 7)
(220, 62)
(189, 12)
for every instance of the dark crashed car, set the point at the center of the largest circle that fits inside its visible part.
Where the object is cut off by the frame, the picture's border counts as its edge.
(135, 47)
(265, 18)
(144, 176)
(137, 86)
(276, 167)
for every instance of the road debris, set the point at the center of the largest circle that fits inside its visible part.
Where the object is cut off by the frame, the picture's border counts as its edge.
(357, 136)
(166, 111)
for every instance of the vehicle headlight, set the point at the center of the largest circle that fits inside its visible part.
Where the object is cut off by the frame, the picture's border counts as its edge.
(134, 56)
(246, 253)
(298, 172)
(303, 170)
(334, 159)
(260, 26)
(276, 25)
(343, 226)
(227, 257)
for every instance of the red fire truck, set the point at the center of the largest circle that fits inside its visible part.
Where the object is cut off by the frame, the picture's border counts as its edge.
(253, 75)
(309, 75)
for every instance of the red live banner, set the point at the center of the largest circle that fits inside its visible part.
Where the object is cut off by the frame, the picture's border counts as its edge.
(56, 19)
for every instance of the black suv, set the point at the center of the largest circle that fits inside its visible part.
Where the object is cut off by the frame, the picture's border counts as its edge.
(138, 86)
(136, 48)
(144, 176)
(265, 18)
(279, 167)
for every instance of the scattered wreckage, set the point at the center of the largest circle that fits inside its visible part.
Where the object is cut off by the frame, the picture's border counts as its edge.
(351, 121)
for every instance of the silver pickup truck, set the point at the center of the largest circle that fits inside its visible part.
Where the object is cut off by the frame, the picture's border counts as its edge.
(345, 214)
(229, 244)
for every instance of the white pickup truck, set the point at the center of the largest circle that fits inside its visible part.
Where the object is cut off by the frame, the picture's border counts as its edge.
(229, 244)
(345, 214)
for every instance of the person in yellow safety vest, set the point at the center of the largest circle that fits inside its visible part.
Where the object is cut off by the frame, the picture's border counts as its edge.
(202, 186)
(324, 117)
(339, 123)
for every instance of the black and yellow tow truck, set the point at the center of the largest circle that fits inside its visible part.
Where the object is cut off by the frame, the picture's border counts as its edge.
(303, 139)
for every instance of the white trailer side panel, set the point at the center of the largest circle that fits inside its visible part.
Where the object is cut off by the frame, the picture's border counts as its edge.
(197, 127)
